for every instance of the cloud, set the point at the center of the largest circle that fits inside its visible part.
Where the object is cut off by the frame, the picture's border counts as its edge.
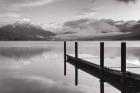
(32, 3)
(11, 15)
(26, 20)
(88, 10)
(90, 29)
(126, 1)
(85, 13)
(55, 27)
(18, 4)
(91, 26)
(82, 15)
(14, 15)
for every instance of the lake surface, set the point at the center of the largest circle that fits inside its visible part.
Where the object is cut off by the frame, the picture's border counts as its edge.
(37, 67)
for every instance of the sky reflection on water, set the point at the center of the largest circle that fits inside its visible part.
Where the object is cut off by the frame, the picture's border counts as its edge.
(40, 69)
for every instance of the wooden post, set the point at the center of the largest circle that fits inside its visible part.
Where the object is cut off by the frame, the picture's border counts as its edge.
(76, 68)
(65, 58)
(102, 67)
(123, 67)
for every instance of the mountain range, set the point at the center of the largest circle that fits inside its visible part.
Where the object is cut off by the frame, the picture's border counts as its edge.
(24, 31)
(81, 29)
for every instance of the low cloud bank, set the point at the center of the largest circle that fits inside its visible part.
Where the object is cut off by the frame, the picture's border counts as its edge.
(84, 29)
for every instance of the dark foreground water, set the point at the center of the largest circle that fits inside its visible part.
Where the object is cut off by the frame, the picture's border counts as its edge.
(37, 67)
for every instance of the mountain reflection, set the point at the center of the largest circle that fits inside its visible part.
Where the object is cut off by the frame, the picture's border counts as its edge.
(22, 52)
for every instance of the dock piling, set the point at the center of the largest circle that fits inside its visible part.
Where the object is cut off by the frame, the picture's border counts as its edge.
(123, 67)
(65, 58)
(102, 67)
(76, 68)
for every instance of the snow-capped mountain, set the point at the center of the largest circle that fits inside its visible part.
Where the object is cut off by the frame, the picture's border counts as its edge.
(24, 31)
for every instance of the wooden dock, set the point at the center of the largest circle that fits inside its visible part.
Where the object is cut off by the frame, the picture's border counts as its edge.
(126, 82)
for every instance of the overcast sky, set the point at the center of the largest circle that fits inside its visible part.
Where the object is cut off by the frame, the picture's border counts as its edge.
(47, 11)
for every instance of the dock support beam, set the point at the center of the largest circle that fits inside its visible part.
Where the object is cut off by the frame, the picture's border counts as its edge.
(102, 67)
(123, 67)
(65, 58)
(76, 68)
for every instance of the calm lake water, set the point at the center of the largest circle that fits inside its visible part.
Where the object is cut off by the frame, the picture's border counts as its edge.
(37, 67)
